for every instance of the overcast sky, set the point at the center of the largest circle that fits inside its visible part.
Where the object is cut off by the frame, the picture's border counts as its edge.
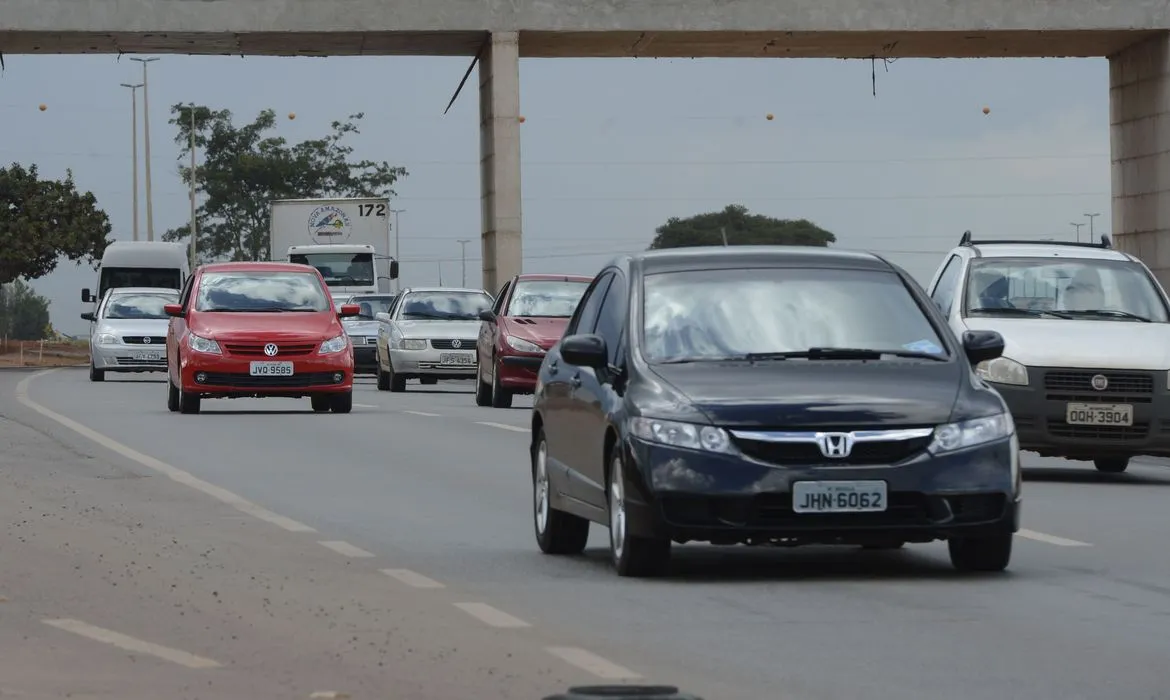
(612, 148)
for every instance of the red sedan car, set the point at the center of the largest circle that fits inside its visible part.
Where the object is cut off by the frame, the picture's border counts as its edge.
(256, 329)
(528, 318)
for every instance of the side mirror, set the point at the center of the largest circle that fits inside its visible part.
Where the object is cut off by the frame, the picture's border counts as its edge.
(487, 315)
(982, 346)
(173, 310)
(88, 316)
(585, 350)
(86, 296)
(393, 269)
(382, 317)
(349, 310)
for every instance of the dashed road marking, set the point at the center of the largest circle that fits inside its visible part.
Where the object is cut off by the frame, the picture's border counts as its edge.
(238, 502)
(329, 695)
(346, 549)
(412, 578)
(502, 426)
(1051, 539)
(365, 405)
(421, 413)
(117, 639)
(491, 616)
(588, 661)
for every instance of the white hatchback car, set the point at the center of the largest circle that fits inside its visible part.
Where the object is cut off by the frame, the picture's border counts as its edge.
(1086, 368)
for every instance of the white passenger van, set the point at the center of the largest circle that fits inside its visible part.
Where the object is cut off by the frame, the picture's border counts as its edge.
(140, 264)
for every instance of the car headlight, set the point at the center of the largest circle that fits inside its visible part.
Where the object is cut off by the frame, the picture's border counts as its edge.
(333, 345)
(409, 344)
(107, 339)
(200, 344)
(521, 345)
(685, 435)
(970, 433)
(1003, 370)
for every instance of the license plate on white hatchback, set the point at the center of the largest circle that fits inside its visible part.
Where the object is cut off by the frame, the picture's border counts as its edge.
(1099, 414)
(147, 356)
(271, 369)
(457, 358)
(839, 497)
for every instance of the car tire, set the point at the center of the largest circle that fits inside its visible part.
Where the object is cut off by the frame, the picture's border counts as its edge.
(172, 396)
(383, 380)
(640, 557)
(341, 403)
(189, 403)
(981, 554)
(397, 381)
(501, 397)
(95, 374)
(1111, 465)
(321, 404)
(483, 390)
(557, 532)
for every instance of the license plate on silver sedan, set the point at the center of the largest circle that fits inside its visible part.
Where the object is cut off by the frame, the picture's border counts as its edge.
(839, 497)
(457, 358)
(147, 356)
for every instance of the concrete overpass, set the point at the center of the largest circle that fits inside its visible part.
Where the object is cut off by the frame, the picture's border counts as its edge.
(1133, 34)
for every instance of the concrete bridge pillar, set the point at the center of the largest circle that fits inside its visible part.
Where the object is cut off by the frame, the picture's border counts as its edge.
(1139, 129)
(499, 149)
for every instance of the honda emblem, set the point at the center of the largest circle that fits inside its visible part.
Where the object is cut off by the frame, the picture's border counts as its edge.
(835, 445)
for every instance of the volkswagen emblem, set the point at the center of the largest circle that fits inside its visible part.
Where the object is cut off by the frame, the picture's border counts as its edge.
(835, 445)
(456, 343)
(270, 349)
(1099, 382)
(146, 340)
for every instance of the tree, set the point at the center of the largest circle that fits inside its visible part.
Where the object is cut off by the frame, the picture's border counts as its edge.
(243, 170)
(24, 314)
(741, 228)
(42, 221)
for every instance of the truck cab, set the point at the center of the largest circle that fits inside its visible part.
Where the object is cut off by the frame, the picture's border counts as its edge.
(348, 269)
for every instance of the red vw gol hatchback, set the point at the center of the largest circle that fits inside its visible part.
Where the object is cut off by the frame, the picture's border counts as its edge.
(257, 329)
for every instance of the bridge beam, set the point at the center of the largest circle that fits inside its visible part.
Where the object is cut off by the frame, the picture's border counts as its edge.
(499, 158)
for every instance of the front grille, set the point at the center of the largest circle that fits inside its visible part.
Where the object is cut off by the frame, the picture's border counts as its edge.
(364, 340)
(1077, 385)
(141, 339)
(257, 349)
(448, 344)
(1104, 433)
(245, 381)
(126, 360)
(802, 453)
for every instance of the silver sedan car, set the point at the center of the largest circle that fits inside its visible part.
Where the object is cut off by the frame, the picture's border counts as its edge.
(429, 334)
(128, 331)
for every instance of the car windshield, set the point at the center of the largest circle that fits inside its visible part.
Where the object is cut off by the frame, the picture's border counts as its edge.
(139, 306)
(548, 298)
(261, 292)
(445, 306)
(1063, 288)
(372, 306)
(770, 312)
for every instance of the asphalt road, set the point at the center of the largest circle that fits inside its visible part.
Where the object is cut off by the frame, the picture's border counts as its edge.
(437, 491)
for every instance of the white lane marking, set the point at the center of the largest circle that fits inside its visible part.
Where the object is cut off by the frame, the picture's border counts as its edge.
(346, 549)
(362, 405)
(588, 661)
(502, 426)
(329, 695)
(491, 616)
(412, 578)
(421, 413)
(1051, 539)
(99, 634)
(238, 502)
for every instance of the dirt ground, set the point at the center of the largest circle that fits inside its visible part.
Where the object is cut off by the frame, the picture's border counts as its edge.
(51, 354)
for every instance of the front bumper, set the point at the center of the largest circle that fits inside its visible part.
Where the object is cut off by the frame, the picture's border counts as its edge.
(686, 495)
(365, 355)
(434, 363)
(518, 373)
(121, 357)
(229, 377)
(1040, 413)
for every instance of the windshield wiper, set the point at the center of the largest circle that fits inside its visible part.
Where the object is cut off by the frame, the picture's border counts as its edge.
(1110, 312)
(840, 354)
(1011, 311)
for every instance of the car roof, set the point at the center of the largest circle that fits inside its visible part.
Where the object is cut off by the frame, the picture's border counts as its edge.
(469, 290)
(113, 291)
(1042, 250)
(732, 257)
(257, 267)
(552, 277)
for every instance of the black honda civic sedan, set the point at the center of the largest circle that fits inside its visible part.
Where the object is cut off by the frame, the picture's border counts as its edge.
(769, 396)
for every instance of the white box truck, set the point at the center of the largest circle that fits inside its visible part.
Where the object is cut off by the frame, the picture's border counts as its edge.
(348, 240)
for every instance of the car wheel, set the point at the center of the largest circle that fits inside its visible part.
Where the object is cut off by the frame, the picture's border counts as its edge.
(188, 403)
(383, 379)
(981, 554)
(557, 532)
(1111, 465)
(501, 397)
(397, 381)
(321, 404)
(631, 556)
(172, 396)
(341, 403)
(483, 390)
(95, 374)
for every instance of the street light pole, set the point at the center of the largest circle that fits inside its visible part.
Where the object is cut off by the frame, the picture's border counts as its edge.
(463, 258)
(146, 138)
(1078, 228)
(134, 146)
(1091, 217)
(397, 282)
(194, 222)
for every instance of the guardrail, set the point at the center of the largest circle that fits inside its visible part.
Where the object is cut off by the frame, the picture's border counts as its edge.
(41, 353)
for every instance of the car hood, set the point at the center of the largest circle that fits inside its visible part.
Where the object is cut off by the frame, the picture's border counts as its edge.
(268, 326)
(439, 329)
(134, 326)
(796, 394)
(361, 328)
(1053, 342)
(545, 332)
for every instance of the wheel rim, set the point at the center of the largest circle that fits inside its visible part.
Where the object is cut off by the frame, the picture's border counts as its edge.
(541, 487)
(617, 509)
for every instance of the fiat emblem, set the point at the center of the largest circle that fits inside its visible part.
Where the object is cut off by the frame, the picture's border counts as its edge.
(270, 349)
(456, 343)
(146, 340)
(1099, 382)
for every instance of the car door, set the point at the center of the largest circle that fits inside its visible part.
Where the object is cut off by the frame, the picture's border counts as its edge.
(489, 333)
(556, 409)
(593, 396)
(382, 347)
(176, 329)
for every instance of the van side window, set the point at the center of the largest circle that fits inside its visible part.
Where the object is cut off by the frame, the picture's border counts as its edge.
(944, 291)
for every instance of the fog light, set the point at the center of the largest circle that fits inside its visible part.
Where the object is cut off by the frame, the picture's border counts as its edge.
(201, 377)
(338, 377)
